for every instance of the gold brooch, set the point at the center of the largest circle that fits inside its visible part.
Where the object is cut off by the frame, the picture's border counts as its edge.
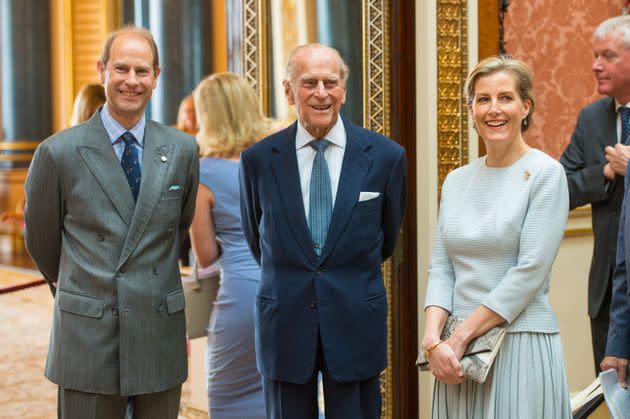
(526, 175)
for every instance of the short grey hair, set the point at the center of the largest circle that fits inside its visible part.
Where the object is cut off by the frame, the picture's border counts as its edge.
(618, 25)
(290, 69)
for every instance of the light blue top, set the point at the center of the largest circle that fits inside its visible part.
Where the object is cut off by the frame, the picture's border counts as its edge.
(498, 233)
(221, 176)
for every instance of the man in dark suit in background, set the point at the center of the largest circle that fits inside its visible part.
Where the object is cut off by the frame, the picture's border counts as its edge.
(595, 162)
(322, 202)
(107, 205)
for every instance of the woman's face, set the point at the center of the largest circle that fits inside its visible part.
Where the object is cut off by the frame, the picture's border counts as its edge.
(188, 117)
(497, 109)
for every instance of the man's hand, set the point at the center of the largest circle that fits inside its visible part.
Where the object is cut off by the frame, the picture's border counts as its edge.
(617, 158)
(609, 173)
(619, 364)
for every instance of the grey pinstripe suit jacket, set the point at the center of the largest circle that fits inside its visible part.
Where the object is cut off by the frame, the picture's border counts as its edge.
(118, 322)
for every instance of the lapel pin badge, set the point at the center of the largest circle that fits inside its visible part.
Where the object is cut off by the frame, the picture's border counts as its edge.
(163, 158)
(526, 175)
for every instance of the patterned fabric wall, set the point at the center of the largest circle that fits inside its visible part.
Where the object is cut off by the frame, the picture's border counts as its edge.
(554, 39)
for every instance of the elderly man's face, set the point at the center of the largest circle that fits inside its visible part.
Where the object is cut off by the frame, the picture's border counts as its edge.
(611, 66)
(317, 90)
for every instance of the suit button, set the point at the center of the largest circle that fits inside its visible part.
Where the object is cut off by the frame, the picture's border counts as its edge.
(118, 274)
(313, 304)
(100, 237)
(156, 270)
(318, 272)
(115, 310)
(160, 307)
(171, 230)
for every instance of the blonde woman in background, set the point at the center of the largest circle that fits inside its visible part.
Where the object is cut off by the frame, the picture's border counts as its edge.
(186, 117)
(230, 120)
(88, 100)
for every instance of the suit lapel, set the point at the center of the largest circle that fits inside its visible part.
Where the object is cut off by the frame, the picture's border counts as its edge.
(100, 158)
(609, 127)
(287, 175)
(354, 169)
(154, 169)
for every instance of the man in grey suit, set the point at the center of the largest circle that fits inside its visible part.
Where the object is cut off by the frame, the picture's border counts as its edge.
(108, 203)
(595, 162)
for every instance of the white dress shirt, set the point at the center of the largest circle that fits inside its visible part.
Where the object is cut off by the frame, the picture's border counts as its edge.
(618, 119)
(306, 155)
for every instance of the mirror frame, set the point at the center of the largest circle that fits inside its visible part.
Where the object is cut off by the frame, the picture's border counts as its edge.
(376, 24)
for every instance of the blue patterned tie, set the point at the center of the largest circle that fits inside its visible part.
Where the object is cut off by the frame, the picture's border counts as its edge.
(320, 199)
(625, 125)
(130, 164)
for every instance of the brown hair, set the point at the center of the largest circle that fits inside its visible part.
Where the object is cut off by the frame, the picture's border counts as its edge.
(228, 115)
(144, 33)
(522, 79)
(89, 98)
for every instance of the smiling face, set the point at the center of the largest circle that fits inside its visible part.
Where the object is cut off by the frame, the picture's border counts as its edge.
(611, 66)
(128, 78)
(497, 108)
(317, 89)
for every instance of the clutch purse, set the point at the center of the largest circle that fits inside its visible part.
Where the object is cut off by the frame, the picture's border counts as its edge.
(200, 291)
(479, 355)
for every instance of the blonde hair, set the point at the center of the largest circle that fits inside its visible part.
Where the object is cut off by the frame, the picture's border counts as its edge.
(522, 80)
(228, 115)
(88, 100)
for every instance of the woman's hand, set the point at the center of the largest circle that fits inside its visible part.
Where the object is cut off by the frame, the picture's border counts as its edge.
(444, 363)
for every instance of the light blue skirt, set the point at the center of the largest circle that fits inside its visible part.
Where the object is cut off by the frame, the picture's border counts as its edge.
(527, 381)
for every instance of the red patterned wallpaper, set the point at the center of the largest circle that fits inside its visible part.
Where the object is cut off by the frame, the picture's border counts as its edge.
(554, 39)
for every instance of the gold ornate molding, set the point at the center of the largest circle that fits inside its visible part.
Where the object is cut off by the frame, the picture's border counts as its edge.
(376, 110)
(254, 47)
(452, 48)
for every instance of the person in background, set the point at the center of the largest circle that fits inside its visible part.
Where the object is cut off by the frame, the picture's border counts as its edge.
(501, 221)
(186, 116)
(89, 98)
(107, 204)
(595, 164)
(230, 120)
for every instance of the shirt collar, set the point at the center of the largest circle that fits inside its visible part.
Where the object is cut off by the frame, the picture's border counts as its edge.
(336, 136)
(619, 105)
(115, 130)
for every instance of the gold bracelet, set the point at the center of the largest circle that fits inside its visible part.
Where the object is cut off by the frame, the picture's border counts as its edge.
(427, 352)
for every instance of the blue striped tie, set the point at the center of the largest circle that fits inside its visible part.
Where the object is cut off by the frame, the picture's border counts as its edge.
(625, 125)
(320, 198)
(130, 164)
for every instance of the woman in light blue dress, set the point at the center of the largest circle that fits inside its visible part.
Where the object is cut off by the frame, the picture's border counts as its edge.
(229, 120)
(502, 218)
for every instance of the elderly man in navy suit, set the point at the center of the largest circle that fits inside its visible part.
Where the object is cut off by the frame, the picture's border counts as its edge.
(322, 202)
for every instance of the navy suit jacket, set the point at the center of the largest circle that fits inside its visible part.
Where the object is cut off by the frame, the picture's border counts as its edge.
(618, 344)
(341, 294)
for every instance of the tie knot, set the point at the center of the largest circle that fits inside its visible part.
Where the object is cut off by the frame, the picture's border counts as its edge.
(128, 137)
(321, 144)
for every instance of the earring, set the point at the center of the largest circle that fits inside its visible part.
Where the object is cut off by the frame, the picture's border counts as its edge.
(524, 122)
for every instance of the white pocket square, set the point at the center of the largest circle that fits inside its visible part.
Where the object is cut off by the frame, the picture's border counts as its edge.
(366, 196)
(174, 188)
